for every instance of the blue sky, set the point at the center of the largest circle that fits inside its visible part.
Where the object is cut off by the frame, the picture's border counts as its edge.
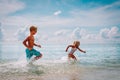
(61, 20)
(48, 7)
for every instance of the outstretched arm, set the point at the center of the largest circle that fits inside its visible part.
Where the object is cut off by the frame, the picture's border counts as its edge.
(81, 50)
(37, 45)
(68, 47)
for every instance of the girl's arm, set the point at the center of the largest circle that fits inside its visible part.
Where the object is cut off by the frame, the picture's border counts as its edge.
(68, 47)
(81, 50)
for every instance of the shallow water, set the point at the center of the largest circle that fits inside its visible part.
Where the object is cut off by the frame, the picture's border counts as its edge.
(101, 62)
(56, 71)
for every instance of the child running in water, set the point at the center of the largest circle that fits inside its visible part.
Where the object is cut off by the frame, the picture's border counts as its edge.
(29, 44)
(74, 47)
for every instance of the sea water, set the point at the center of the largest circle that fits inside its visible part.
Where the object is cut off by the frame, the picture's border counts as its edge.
(99, 58)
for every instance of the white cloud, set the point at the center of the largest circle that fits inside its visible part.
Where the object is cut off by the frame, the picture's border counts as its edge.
(10, 6)
(76, 33)
(91, 37)
(22, 33)
(112, 33)
(57, 12)
(100, 16)
(15, 21)
(103, 35)
(93, 17)
(113, 5)
(52, 21)
(79, 33)
(83, 32)
(61, 32)
(67, 35)
(43, 21)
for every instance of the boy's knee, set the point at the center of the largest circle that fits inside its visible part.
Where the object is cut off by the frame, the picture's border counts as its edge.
(40, 55)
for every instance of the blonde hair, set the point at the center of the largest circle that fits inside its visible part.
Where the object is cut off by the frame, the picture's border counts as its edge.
(33, 28)
(76, 43)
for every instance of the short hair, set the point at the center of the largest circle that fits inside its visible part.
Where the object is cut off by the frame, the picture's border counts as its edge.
(77, 43)
(33, 28)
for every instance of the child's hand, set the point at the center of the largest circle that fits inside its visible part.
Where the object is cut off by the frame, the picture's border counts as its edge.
(39, 46)
(84, 51)
(66, 50)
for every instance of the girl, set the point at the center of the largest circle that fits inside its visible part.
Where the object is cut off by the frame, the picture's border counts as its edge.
(74, 47)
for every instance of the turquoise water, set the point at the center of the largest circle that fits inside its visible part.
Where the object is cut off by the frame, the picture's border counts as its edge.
(100, 62)
(96, 54)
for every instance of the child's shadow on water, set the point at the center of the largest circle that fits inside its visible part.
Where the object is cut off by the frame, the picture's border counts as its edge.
(35, 69)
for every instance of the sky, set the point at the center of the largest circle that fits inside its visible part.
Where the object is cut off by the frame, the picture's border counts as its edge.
(61, 21)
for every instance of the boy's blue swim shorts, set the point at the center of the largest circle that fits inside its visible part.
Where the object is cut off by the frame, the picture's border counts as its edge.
(30, 53)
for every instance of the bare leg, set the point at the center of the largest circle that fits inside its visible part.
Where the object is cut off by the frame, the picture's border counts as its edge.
(38, 57)
(69, 58)
(75, 58)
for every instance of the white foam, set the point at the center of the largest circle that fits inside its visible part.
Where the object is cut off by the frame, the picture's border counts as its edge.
(65, 58)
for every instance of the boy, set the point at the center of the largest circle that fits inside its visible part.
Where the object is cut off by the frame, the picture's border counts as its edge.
(74, 47)
(29, 44)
